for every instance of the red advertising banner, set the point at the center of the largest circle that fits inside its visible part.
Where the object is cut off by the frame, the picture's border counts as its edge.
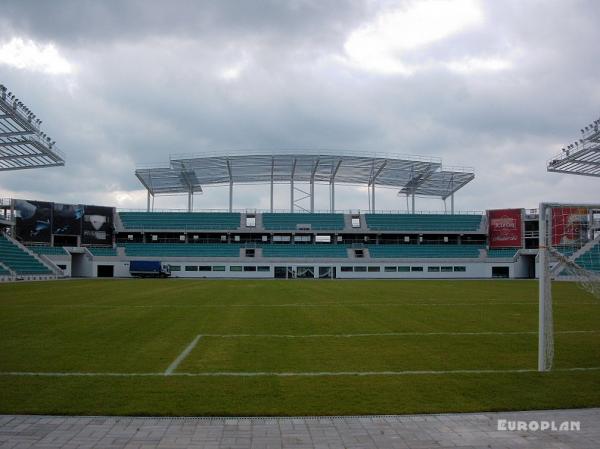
(505, 228)
(567, 225)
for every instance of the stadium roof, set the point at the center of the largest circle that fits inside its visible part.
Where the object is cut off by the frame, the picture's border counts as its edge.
(409, 174)
(22, 143)
(581, 157)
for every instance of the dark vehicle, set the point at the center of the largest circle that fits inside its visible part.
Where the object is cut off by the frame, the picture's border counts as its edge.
(149, 269)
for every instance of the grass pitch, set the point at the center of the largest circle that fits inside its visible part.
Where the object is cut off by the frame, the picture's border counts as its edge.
(290, 347)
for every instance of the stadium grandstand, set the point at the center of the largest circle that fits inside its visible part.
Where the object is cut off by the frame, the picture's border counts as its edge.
(101, 241)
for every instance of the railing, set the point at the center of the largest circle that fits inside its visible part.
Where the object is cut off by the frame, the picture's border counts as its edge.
(319, 211)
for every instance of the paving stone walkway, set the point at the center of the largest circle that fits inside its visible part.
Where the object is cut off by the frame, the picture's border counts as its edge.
(465, 431)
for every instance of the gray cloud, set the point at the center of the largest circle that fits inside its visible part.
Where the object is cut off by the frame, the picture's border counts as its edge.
(154, 78)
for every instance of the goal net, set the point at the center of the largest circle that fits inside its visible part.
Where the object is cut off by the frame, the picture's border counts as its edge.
(569, 250)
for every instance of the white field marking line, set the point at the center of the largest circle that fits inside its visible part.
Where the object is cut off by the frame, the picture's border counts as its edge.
(366, 304)
(295, 374)
(173, 366)
(391, 334)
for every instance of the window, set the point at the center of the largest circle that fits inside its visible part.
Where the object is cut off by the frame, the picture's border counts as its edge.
(217, 268)
(323, 239)
(460, 269)
(445, 239)
(346, 269)
(374, 269)
(195, 237)
(265, 238)
(406, 239)
(223, 238)
(154, 238)
(390, 269)
(175, 267)
(281, 238)
(129, 236)
(264, 268)
(403, 269)
(359, 253)
(433, 269)
(302, 238)
(62, 267)
(191, 268)
(236, 238)
(250, 221)
(248, 268)
(204, 268)
(235, 268)
(182, 238)
(360, 269)
(356, 221)
(250, 252)
(446, 269)
(416, 268)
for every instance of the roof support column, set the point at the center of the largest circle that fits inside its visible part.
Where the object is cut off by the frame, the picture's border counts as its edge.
(452, 203)
(190, 201)
(312, 195)
(413, 202)
(373, 198)
(230, 196)
(292, 186)
(332, 197)
(148, 202)
(272, 172)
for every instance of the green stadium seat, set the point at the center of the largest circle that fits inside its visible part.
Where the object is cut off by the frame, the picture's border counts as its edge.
(424, 222)
(18, 260)
(424, 251)
(304, 250)
(182, 250)
(505, 252)
(190, 221)
(290, 221)
(48, 250)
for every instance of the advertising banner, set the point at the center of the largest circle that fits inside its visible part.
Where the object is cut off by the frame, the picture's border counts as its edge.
(97, 225)
(33, 221)
(568, 225)
(66, 219)
(505, 228)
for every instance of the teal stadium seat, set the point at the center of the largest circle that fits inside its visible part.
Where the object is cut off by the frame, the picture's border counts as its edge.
(18, 260)
(102, 251)
(590, 260)
(48, 250)
(191, 221)
(290, 221)
(4, 272)
(497, 253)
(424, 251)
(305, 250)
(423, 222)
(182, 250)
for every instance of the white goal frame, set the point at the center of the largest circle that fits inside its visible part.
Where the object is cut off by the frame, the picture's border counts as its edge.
(545, 274)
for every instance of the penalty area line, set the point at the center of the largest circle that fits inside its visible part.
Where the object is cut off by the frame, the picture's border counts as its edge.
(296, 374)
(173, 366)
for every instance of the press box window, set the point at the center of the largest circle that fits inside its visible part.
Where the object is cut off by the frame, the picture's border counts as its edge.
(374, 269)
(265, 268)
(204, 268)
(235, 268)
(360, 269)
(390, 269)
(460, 269)
(175, 267)
(249, 268)
(433, 269)
(346, 269)
(250, 221)
(403, 269)
(416, 268)
(217, 268)
(446, 269)
(191, 268)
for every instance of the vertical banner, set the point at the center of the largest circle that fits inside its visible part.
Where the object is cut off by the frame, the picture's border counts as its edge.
(568, 225)
(505, 228)
(34, 221)
(98, 225)
(66, 219)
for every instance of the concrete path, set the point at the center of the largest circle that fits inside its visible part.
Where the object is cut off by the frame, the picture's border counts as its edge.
(472, 431)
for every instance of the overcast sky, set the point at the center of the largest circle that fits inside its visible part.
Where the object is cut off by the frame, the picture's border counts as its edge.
(500, 86)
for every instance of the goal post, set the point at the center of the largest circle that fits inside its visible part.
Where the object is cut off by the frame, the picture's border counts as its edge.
(569, 250)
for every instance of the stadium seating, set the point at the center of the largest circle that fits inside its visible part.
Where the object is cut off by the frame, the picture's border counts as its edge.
(18, 260)
(102, 251)
(424, 251)
(423, 222)
(495, 253)
(48, 250)
(304, 250)
(289, 221)
(590, 260)
(4, 272)
(182, 250)
(180, 220)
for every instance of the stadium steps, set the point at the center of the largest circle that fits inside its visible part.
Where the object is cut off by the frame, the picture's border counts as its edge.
(22, 261)
(6, 273)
